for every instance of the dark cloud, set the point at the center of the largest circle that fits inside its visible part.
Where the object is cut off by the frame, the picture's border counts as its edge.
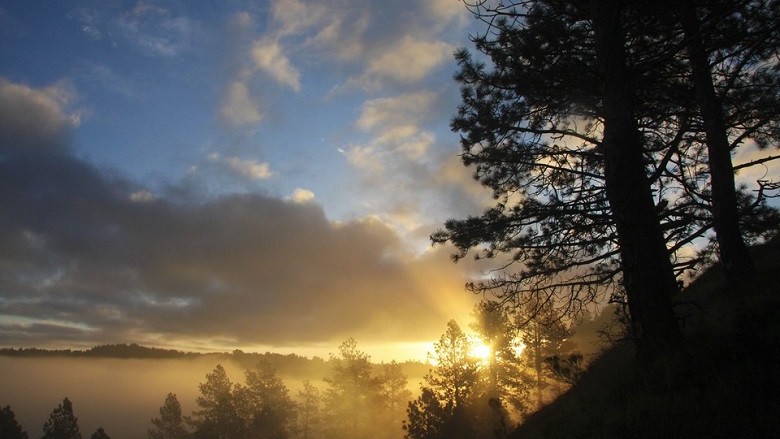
(92, 257)
(34, 119)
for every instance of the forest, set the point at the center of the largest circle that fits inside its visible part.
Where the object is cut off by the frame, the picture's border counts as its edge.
(526, 369)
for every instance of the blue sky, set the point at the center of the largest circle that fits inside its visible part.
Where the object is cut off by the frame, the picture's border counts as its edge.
(220, 174)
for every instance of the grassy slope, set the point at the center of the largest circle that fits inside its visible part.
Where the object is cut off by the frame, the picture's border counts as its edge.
(723, 384)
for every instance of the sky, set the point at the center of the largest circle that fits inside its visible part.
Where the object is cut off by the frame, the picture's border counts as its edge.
(211, 175)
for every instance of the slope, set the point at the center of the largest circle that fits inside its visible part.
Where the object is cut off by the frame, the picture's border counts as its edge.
(723, 383)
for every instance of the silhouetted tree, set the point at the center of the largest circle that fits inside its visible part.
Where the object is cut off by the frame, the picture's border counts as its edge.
(575, 213)
(426, 417)
(443, 406)
(732, 47)
(648, 276)
(62, 423)
(733, 251)
(9, 427)
(309, 421)
(170, 424)
(566, 368)
(265, 405)
(567, 194)
(394, 396)
(352, 396)
(502, 371)
(455, 374)
(100, 434)
(218, 416)
(543, 336)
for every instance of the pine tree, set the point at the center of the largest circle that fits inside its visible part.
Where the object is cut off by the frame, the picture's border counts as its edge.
(352, 397)
(543, 335)
(9, 427)
(444, 406)
(100, 434)
(395, 396)
(170, 424)
(584, 123)
(62, 423)
(504, 379)
(218, 416)
(309, 418)
(426, 417)
(269, 412)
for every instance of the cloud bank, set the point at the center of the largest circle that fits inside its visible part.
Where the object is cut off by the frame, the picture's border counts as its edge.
(87, 257)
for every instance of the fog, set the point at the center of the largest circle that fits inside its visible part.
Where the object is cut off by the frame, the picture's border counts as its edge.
(120, 395)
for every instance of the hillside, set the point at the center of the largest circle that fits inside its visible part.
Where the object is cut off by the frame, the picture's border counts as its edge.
(723, 383)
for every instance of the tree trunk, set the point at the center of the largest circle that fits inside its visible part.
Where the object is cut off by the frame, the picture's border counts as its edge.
(734, 256)
(648, 277)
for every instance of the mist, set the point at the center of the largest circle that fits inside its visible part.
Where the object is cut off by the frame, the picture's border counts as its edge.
(120, 395)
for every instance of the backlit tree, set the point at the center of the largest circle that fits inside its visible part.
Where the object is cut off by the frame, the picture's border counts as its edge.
(170, 424)
(217, 416)
(309, 417)
(443, 408)
(353, 395)
(265, 403)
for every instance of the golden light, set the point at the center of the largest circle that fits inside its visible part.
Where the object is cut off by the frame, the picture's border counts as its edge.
(480, 350)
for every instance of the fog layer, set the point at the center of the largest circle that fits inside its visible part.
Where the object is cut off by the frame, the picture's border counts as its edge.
(122, 396)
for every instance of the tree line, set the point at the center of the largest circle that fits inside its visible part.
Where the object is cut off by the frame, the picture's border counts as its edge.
(463, 394)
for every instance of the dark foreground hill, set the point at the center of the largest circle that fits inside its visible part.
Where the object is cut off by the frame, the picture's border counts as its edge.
(725, 382)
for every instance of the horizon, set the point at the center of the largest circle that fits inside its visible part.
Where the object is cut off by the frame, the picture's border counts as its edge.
(379, 354)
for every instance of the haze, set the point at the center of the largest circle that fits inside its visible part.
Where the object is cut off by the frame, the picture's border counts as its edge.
(120, 395)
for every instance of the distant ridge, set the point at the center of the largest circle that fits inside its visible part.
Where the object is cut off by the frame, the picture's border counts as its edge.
(101, 351)
(291, 364)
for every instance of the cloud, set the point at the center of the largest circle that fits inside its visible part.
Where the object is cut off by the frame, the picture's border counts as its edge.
(397, 137)
(36, 118)
(415, 174)
(238, 108)
(372, 42)
(111, 262)
(155, 30)
(405, 109)
(269, 58)
(409, 60)
(247, 168)
(335, 25)
(302, 195)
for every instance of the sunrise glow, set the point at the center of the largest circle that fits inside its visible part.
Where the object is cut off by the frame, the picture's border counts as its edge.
(480, 350)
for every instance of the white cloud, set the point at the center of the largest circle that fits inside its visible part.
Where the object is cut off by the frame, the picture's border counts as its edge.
(238, 108)
(269, 58)
(295, 16)
(397, 137)
(251, 169)
(300, 195)
(409, 60)
(447, 10)
(406, 109)
(365, 158)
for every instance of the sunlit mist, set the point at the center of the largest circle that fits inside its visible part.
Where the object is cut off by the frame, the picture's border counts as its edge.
(480, 350)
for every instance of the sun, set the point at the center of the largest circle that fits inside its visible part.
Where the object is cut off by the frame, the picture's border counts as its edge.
(480, 350)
